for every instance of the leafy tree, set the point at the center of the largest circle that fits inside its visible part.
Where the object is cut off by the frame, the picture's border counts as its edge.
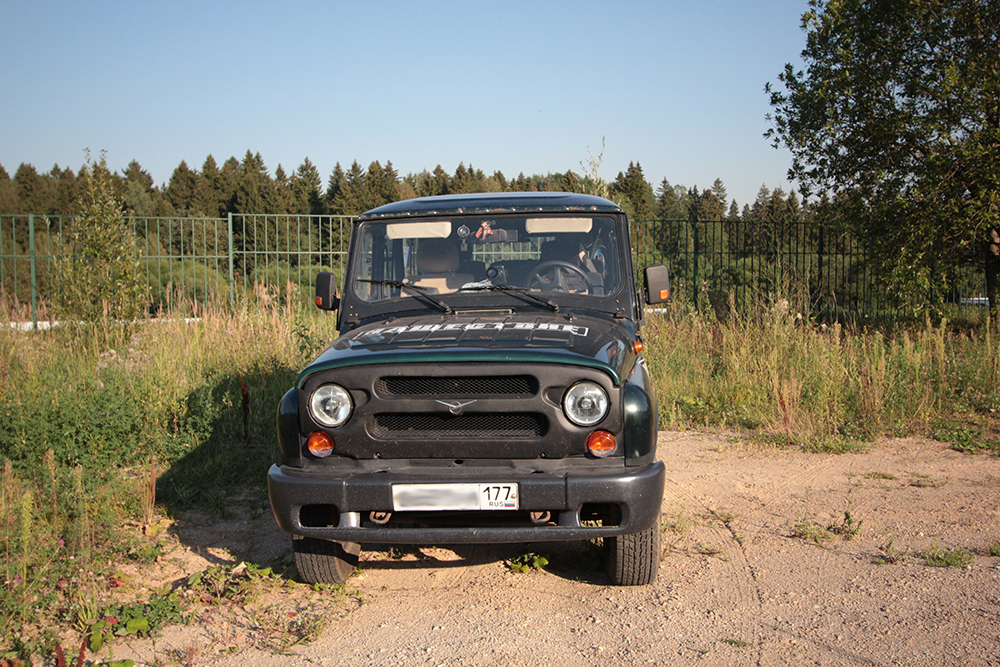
(101, 276)
(406, 189)
(593, 183)
(898, 113)
(497, 182)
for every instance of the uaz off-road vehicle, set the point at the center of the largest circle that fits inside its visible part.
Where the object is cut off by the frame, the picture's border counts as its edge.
(487, 386)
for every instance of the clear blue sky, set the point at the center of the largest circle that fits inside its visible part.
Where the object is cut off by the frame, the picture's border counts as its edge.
(510, 86)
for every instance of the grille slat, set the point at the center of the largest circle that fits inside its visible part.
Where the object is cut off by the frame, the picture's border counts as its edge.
(513, 386)
(422, 426)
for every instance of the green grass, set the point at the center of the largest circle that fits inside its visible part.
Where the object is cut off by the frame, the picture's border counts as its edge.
(877, 474)
(105, 429)
(826, 388)
(938, 557)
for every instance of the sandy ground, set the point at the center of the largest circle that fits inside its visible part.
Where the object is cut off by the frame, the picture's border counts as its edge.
(751, 574)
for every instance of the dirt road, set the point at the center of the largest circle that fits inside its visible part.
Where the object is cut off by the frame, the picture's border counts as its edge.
(771, 557)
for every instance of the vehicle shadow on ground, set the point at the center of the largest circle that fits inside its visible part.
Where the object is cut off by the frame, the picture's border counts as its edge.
(217, 491)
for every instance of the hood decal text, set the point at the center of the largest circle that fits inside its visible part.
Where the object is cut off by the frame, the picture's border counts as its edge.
(574, 329)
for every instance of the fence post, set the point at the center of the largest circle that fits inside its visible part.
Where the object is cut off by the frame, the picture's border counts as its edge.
(819, 262)
(694, 292)
(232, 273)
(34, 285)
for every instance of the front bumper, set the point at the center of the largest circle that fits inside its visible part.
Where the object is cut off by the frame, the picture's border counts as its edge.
(636, 492)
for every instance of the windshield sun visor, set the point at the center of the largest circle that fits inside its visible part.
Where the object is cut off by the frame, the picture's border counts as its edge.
(440, 229)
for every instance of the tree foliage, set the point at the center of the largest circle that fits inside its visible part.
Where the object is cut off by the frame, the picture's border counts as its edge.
(897, 114)
(100, 276)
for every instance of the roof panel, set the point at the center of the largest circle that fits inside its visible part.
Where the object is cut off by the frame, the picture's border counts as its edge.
(493, 202)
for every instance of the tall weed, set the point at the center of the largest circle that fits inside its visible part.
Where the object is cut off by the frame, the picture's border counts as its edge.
(99, 421)
(818, 385)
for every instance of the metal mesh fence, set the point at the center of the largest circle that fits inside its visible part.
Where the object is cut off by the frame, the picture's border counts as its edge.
(714, 264)
(725, 263)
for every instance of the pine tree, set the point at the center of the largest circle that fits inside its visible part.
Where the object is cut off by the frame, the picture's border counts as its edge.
(208, 199)
(671, 201)
(467, 179)
(9, 203)
(229, 179)
(306, 194)
(181, 189)
(30, 189)
(65, 190)
(734, 212)
(334, 188)
(282, 191)
(382, 184)
(636, 192)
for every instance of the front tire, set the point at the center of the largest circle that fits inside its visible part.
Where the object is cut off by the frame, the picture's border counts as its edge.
(324, 561)
(632, 560)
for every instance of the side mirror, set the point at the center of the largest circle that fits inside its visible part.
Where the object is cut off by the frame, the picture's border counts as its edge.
(657, 284)
(326, 291)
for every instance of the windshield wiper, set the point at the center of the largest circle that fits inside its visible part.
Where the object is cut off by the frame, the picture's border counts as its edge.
(510, 289)
(414, 289)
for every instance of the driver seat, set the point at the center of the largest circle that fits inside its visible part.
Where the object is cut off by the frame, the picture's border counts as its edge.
(436, 263)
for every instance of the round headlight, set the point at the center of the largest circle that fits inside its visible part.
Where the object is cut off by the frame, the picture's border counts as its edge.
(330, 405)
(585, 404)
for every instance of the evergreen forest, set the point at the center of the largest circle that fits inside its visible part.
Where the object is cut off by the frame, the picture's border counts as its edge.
(248, 186)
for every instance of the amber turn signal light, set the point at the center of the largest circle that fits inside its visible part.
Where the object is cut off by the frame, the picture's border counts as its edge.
(320, 444)
(601, 444)
(637, 346)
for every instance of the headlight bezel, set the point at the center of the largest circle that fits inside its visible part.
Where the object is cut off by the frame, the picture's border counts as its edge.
(343, 412)
(580, 392)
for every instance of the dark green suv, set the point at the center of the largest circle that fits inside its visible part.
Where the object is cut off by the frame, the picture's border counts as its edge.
(487, 386)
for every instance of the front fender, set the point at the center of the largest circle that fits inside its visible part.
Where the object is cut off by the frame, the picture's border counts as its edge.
(289, 442)
(642, 417)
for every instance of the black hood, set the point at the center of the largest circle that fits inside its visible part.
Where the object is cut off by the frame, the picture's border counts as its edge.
(595, 342)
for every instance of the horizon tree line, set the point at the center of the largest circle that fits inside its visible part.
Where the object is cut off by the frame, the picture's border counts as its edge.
(247, 186)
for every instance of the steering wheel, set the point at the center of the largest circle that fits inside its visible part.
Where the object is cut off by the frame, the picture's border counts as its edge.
(557, 281)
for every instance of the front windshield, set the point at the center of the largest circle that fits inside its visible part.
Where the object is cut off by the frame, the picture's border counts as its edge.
(532, 255)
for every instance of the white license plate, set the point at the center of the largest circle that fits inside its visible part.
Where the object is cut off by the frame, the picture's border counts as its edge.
(447, 497)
